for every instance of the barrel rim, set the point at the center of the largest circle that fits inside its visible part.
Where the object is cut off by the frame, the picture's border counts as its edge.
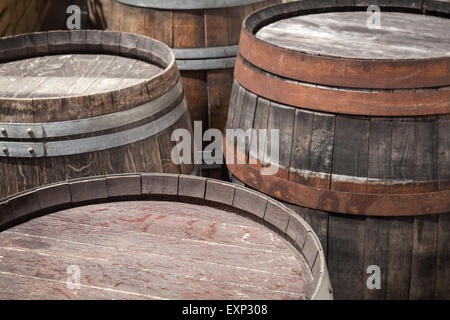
(124, 44)
(335, 71)
(51, 198)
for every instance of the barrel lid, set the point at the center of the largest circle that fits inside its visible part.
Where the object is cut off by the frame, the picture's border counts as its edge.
(376, 59)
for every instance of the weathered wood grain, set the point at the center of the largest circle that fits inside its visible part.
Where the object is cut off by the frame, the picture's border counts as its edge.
(77, 86)
(69, 75)
(376, 253)
(301, 146)
(423, 264)
(345, 34)
(380, 152)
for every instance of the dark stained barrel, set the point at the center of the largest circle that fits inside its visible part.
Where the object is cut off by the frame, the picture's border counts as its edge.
(156, 236)
(26, 16)
(82, 103)
(204, 36)
(364, 120)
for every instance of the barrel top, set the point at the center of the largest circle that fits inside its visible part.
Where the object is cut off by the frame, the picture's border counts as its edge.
(210, 214)
(150, 250)
(72, 75)
(347, 35)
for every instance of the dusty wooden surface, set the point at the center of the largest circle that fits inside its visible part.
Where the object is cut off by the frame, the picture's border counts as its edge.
(148, 250)
(345, 34)
(71, 75)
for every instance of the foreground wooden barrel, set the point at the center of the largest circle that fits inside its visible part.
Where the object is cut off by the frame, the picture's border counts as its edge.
(210, 240)
(364, 136)
(204, 36)
(74, 104)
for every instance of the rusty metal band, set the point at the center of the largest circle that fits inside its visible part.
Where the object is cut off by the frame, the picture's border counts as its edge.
(338, 201)
(33, 149)
(400, 103)
(334, 71)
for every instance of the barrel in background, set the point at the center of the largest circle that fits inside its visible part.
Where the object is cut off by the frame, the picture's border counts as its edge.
(83, 103)
(171, 212)
(204, 36)
(364, 150)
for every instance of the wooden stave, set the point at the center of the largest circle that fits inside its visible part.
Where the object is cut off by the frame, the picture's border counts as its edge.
(173, 187)
(19, 173)
(187, 4)
(328, 70)
(259, 82)
(207, 87)
(24, 16)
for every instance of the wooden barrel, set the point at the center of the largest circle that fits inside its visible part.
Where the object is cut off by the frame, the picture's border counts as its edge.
(204, 36)
(364, 124)
(210, 240)
(82, 103)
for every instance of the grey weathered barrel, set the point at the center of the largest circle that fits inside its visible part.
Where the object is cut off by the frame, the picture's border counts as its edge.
(82, 103)
(210, 239)
(363, 116)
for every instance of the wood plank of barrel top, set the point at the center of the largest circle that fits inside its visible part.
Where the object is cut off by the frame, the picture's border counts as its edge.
(346, 34)
(93, 107)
